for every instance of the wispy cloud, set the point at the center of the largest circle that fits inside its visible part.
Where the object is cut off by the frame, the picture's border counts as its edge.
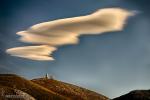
(67, 31)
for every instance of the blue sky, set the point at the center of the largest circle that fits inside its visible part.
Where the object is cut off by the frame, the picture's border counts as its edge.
(111, 64)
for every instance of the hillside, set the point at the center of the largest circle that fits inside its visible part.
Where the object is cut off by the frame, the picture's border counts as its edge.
(31, 88)
(45, 89)
(135, 95)
(69, 90)
(6, 91)
(51, 89)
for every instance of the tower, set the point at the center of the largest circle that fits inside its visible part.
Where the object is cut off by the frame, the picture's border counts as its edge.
(46, 76)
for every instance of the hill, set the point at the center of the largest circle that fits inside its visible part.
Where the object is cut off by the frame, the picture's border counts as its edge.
(135, 95)
(29, 87)
(51, 89)
(44, 89)
(69, 90)
(6, 92)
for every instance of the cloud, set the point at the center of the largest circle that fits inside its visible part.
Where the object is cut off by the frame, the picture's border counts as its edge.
(41, 52)
(67, 31)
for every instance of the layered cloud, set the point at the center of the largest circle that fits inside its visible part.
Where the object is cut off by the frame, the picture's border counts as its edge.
(42, 52)
(67, 31)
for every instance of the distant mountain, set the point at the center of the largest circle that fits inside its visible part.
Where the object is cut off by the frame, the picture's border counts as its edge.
(69, 90)
(44, 89)
(135, 95)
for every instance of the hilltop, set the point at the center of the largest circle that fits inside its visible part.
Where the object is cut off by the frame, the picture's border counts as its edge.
(69, 90)
(46, 89)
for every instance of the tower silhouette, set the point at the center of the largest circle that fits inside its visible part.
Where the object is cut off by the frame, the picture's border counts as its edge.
(46, 76)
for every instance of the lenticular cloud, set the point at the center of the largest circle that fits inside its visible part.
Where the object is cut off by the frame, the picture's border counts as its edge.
(52, 34)
(42, 52)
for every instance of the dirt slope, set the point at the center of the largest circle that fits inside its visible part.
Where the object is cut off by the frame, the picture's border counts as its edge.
(69, 90)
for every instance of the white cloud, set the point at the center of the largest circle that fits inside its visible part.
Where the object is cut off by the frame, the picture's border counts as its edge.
(41, 52)
(66, 31)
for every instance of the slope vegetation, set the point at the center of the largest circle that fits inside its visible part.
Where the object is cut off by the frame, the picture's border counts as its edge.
(69, 90)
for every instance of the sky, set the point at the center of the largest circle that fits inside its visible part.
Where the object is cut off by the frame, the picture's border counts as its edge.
(111, 64)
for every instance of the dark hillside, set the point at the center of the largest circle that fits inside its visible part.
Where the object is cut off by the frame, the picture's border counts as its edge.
(135, 95)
